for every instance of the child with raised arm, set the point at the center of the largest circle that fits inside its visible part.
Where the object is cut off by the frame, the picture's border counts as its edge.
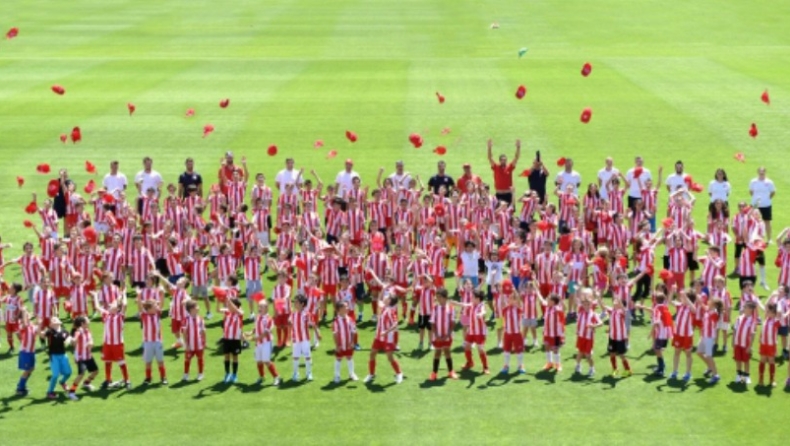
(705, 348)
(113, 347)
(618, 337)
(683, 338)
(300, 323)
(661, 329)
(57, 339)
(151, 321)
(231, 337)
(12, 313)
(27, 350)
(442, 332)
(512, 340)
(386, 333)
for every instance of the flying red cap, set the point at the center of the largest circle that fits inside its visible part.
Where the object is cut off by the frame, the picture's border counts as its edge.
(586, 69)
(272, 150)
(586, 115)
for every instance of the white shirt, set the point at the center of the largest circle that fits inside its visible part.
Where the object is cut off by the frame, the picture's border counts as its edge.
(634, 191)
(719, 190)
(285, 177)
(400, 181)
(675, 181)
(494, 275)
(606, 175)
(469, 262)
(761, 192)
(115, 183)
(149, 180)
(345, 180)
(567, 178)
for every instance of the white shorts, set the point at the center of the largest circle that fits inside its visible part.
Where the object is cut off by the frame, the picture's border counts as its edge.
(263, 237)
(723, 326)
(253, 286)
(705, 347)
(263, 352)
(529, 322)
(153, 350)
(102, 227)
(301, 349)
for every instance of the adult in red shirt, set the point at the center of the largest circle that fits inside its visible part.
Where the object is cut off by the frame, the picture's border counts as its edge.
(467, 178)
(226, 170)
(503, 173)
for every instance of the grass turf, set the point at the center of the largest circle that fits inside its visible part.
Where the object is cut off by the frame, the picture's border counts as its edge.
(669, 81)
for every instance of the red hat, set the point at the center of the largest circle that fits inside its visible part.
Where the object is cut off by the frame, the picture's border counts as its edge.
(20, 181)
(416, 140)
(58, 89)
(31, 208)
(190, 112)
(753, 131)
(108, 198)
(586, 115)
(638, 172)
(76, 135)
(131, 108)
(90, 187)
(220, 293)
(318, 144)
(207, 129)
(90, 235)
(561, 161)
(507, 286)
(258, 297)
(764, 97)
(740, 157)
(63, 138)
(272, 150)
(667, 222)
(90, 167)
(13, 32)
(440, 97)
(53, 187)
(42, 168)
(332, 153)
(521, 91)
(28, 223)
(351, 136)
(586, 69)
(441, 150)
(224, 103)
(665, 275)
(525, 173)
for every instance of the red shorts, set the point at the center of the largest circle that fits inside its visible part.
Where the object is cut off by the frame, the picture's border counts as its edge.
(382, 346)
(329, 290)
(374, 288)
(344, 353)
(45, 322)
(513, 343)
(281, 320)
(696, 323)
(11, 327)
(741, 354)
(553, 341)
(387, 222)
(442, 344)
(475, 339)
(61, 291)
(112, 353)
(768, 350)
(584, 345)
(403, 285)
(176, 325)
(545, 289)
(71, 220)
(438, 281)
(682, 342)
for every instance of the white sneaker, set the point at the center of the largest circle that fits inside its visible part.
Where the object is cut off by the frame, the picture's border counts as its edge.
(369, 378)
(399, 378)
(432, 347)
(276, 381)
(591, 373)
(765, 286)
(353, 377)
(209, 316)
(73, 397)
(374, 318)
(185, 377)
(578, 369)
(747, 380)
(737, 379)
(337, 379)
(252, 317)
(88, 387)
(534, 343)
(295, 377)
(315, 346)
(310, 377)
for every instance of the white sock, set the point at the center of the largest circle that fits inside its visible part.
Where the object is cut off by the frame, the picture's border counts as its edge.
(350, 364)
(507, 360)
(548, 356)
(296, 366)
(762, 274)
(557, 358)
(308, 365)
(521, 360)
(337, 367)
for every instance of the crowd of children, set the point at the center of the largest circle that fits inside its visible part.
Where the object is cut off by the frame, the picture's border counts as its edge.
(437, 261)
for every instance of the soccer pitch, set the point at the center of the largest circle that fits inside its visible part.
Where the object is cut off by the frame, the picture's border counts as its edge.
(670, 80)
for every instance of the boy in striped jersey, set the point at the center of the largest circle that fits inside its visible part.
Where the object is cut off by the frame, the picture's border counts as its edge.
(344, 330)
(150, 319)
(513, 340)
(83, 344)
(586, 324)
(194, 329)
(683, 338)
(300, 323)
(742, 339)
(476, 332)
(231, 336)
(263, 343)
(442, 332)
(113, 347)
(705, 348)
(618, 337)
(27, 350)
(661, 330)
(768, 345)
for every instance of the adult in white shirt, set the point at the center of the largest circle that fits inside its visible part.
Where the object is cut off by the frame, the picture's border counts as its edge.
(115, 182)
(147, 179)
(344, 181)
(677, 180)
(400, 178)
(719, 187)
(287, 176)
(569, 176)
(605, 175)
(762, 191)
(634, 191)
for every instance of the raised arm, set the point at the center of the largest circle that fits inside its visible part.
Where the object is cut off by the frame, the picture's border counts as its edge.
(490, 145)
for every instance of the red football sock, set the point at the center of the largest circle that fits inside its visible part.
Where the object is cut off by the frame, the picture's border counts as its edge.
(772, 371)
(108, 371)
(273, 370)
(613, 360)
(260, 370)
(484, 359)
(148, 371)
(372, 367)
(200, 361)
(411, 316)
(375, 306)
(356, 338)
(468, 354)
(125, 372)
(187, 363)
(10, 340)
(762, 370)
(626, 365)
(395, 366)
(404, 307)
(162, 372)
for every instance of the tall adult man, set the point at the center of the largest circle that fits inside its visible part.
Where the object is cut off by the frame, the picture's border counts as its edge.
(189, 178)
(569, 176)
(115, 181)
(467, 178)
(605, 175)
(147, 179)
(503, 173)
(344, 180)
(762, 191)
(400, 178)
(634, 191)
(287, 176)
(441, 179)
(677, 180)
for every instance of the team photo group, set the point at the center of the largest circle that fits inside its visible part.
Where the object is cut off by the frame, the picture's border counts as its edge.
(483, 262)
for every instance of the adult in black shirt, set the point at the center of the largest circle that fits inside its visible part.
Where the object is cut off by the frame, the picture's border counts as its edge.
(538, 175)
(188, 178)
(441, 179)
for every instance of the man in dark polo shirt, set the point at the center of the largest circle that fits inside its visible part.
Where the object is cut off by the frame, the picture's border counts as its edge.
(188, 178)
(503, 173)
(441, 179)
(538, 177)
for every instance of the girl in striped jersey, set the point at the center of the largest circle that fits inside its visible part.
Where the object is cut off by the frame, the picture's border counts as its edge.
(710, 320)
(618, 337)
(683, 338)
(476, 332)
(300, 323)
(719, 291)
(113, 347)
(661, 329)
(262, 333)
(231, 336)
(12, 313)
(194, 330)
(768, 345)
(151, 321)
(344, 330)
(83, 346)
(442, 332)
(586, 324)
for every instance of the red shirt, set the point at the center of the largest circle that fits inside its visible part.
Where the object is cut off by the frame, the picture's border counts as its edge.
(465, 179)
(503, 176)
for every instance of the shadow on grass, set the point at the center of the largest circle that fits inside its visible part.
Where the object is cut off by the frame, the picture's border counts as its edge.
(548, 376)
(674, 386)
(418, 354)
(212, 390)
(765, 391)
(738, 387)
(500, 379)
(374, 387)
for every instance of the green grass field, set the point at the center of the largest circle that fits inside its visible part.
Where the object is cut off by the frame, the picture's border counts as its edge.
(670, 80)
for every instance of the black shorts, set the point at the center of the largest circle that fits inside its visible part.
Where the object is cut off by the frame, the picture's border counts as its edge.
(342, 270)
(738, 250)
(742, 279)
(87, 365)
(424, 322)
(760, 258)
(161, 266)
(766, 213)
(617, 347)
(666, 262)
(139, 285)
(231, 346)
(481, 266)
(693, 264)
(659, 344)
(507, 197)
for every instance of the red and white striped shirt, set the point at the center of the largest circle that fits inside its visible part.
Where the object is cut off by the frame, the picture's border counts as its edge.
(282, 293)
(684, 322)
(441, 321)
(744, 331)
(263, 329)
(545, 265)
(585, 322)
(477, 323)
(327, 268)
(79, 300)
(141, 263)
(661, 331)
(252, 268)
(554, 322)
(177, 309)
(31, 269)
(617, 330)
(83, 342)
(710, 321)
(232, 326)
(195, 333)
(199, 274)
(27, 338)
(344, 329)
(300, 323)
(511, 316)
(114, 260)
(770, 329)
(113, 328)
(152, 326)
(425, 299)
(45, 302)
(387, 320)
